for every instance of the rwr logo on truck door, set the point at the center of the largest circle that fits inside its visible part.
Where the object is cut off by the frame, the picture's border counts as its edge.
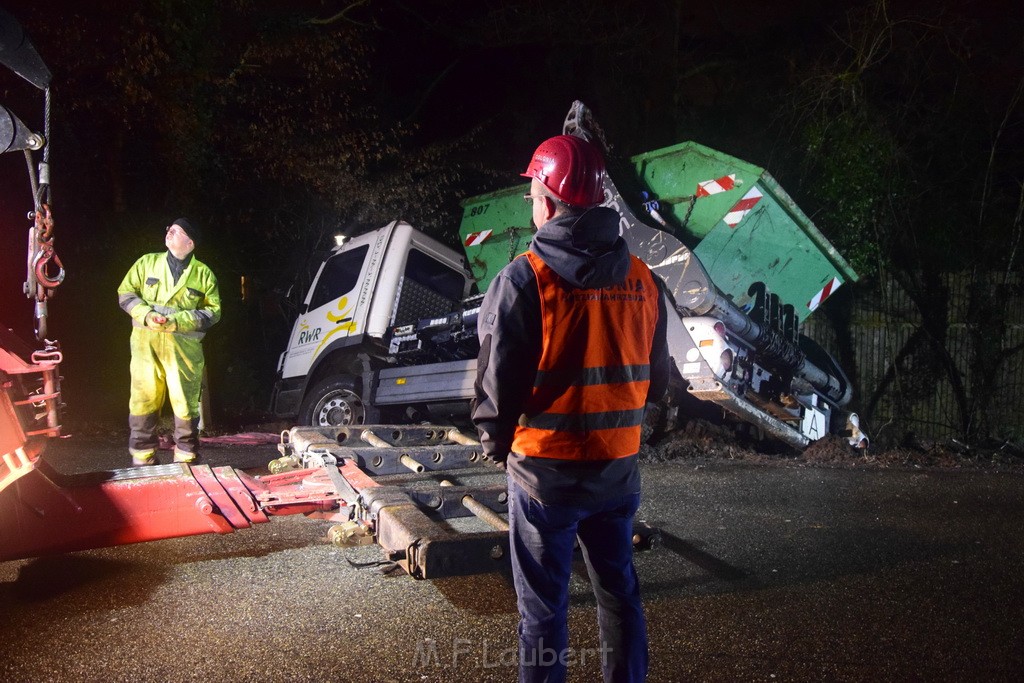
(308, 336)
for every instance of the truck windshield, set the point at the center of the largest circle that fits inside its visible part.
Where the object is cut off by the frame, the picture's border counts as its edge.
(339, 277)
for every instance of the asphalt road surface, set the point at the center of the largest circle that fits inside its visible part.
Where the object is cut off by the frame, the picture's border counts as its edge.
(766, 573)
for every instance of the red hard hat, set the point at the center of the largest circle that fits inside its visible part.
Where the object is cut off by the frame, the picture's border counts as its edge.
(571, 168)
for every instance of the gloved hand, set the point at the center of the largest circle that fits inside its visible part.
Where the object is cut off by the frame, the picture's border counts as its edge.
(498, 462)
(156, 321)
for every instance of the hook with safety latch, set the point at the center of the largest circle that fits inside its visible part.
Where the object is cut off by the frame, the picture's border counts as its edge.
(42, 259)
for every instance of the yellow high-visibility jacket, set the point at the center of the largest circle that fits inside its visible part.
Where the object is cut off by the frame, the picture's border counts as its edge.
(192, 304)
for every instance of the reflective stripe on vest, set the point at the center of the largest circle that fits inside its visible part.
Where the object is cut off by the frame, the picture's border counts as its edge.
(588, 398)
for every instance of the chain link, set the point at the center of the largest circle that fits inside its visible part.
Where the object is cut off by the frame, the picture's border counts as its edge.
(513, 243)
(689, 210)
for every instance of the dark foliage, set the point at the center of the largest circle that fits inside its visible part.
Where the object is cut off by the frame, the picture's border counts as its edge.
(896, 125)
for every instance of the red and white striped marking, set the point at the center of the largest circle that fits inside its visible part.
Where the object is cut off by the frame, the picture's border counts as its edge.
(742, 207)
(475, 238)
(827, 290)
(710, 187)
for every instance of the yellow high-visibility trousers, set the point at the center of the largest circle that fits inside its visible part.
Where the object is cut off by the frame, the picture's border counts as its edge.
(164, 366)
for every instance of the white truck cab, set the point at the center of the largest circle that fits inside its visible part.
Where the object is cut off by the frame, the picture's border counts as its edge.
(368, 285)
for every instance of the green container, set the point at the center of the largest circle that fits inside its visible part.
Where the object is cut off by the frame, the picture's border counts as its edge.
(495, 228)
(733, 215)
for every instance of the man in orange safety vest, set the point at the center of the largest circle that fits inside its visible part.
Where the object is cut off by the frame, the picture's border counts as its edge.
(573, 347)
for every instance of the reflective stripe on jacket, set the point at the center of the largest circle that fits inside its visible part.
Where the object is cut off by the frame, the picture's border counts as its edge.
(588, 397)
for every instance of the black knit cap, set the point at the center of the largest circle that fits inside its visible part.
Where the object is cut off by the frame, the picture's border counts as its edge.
(193, 231)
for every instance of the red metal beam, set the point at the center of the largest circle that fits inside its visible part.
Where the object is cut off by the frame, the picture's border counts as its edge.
(44, 513)
(39, 516)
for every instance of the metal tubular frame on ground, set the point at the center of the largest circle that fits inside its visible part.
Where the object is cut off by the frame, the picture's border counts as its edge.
(409, 520)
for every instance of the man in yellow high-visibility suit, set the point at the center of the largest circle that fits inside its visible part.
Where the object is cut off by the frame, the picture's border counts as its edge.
(173, 299)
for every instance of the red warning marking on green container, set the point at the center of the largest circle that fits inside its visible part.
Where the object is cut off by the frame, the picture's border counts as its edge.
(825, 292)
(476, 238)
(742, 207)
(710, 187)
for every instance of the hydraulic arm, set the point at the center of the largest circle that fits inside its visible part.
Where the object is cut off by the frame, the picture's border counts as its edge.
(691, 287)
(768, 333)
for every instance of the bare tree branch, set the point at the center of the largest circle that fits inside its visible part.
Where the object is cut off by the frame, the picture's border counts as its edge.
(340, 16)
(1018, 226)
(986, 187)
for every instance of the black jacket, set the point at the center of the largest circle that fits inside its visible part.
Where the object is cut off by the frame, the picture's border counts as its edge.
(585, 250)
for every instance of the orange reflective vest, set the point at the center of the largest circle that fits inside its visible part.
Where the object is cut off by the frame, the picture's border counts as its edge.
(588, 398)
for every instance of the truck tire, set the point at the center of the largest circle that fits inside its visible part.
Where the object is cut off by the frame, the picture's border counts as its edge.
(333, 403)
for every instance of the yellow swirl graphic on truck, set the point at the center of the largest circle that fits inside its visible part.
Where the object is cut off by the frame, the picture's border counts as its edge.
(344, 321)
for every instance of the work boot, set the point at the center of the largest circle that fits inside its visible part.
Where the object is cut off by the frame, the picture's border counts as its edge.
(186, 434)
(143, 459)
(186, 457)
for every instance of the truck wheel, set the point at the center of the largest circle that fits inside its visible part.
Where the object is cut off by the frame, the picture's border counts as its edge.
(333, 403)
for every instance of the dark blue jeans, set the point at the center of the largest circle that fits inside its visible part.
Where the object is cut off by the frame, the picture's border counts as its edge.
(542, 537)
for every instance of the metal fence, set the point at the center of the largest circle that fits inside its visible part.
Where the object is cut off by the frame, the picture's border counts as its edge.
(958, 375)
